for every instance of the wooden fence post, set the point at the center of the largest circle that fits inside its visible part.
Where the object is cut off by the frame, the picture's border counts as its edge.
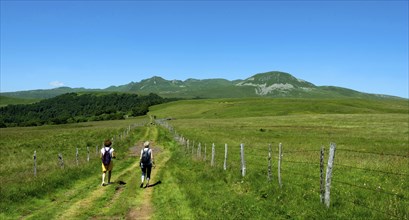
(87, 154)
(187, 146)
(322, 189)
(35, 163)
(199, 149)
(225, 157)
(243, 162)
(269, 163)
(61, 160)
(213, 152)
(193, 147)
(76, 156)
(205, 153)
(280, 146)
(329, 173)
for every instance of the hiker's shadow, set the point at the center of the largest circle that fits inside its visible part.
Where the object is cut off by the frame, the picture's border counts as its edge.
(155, 184)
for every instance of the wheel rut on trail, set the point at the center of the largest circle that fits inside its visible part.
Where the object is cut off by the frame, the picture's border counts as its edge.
(138, 201)
(76, 208)
(145, 209)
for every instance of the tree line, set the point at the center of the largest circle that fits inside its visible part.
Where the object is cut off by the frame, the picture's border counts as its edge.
(73, 107)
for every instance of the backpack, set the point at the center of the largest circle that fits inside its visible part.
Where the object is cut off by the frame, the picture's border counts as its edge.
(106, 158)
(146, 157)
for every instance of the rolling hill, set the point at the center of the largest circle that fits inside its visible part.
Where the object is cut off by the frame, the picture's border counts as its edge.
(269, 84)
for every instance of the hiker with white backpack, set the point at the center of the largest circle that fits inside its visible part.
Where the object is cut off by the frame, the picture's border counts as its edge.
(107, 153)
(146, 162)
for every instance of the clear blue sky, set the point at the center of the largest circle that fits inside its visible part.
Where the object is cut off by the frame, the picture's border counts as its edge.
(361, 45)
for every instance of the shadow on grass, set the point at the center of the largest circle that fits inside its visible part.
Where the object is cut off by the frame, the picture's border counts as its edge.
(152, 185)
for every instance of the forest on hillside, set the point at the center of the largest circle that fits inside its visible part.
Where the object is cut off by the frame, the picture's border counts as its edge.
(73, 107)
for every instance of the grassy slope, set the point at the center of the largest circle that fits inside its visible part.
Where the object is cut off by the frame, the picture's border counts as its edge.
(191, 189)
(5, 100)
(243, 108)
(75, 192)
(24, 195)
(365, 185)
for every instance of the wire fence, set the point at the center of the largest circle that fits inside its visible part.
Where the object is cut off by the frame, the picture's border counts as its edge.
(82, 154)
(293, 164)
(372, 170)
(377, 190)
(375, 153)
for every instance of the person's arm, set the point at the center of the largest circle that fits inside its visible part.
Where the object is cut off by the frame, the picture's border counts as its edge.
(140, 157)
(153, 162)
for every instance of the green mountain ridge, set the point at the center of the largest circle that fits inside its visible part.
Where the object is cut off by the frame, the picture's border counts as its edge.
(268, 84)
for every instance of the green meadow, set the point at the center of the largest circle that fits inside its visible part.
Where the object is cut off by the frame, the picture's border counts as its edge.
(370, 178)
(6, 100)
(371, 167)
(24, 194)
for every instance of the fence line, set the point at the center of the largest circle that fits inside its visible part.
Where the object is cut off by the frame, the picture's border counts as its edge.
(328, 176)
(61, 164)
(300, 174)
(376, 153)
(302, 162)
(267, 153)
(322, 188)
(301, 151)
(225, 157)
(266, 156)
(372, 170)
(243, 161)
(259, 154)
(259, 163)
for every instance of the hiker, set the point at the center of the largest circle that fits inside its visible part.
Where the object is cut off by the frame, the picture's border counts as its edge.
(146, 162)
(107, 153)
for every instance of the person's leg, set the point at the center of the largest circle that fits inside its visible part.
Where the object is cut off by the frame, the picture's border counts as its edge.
(148, 176)
(103, 178)
(142, 176)
(109, 176)
(109, 169)
(104, 170)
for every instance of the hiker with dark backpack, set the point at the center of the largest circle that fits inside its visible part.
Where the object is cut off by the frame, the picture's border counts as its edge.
(107, 153)
(146, 162)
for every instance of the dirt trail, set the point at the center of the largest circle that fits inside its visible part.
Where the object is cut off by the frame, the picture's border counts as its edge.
(77, 207)
(77, 201)
(145, 209)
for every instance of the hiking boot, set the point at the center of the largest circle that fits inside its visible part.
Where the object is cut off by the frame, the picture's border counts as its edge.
(102, 184)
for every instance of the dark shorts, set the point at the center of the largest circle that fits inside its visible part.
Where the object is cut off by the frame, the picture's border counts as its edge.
(146, 170)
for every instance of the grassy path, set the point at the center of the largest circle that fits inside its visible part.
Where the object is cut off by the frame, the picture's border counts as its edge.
(87, 199)
(145, 209)
(76, 209)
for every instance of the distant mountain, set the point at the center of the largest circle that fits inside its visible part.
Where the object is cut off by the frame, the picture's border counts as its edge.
(269, 84)
(277, 84)
(45, 93)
